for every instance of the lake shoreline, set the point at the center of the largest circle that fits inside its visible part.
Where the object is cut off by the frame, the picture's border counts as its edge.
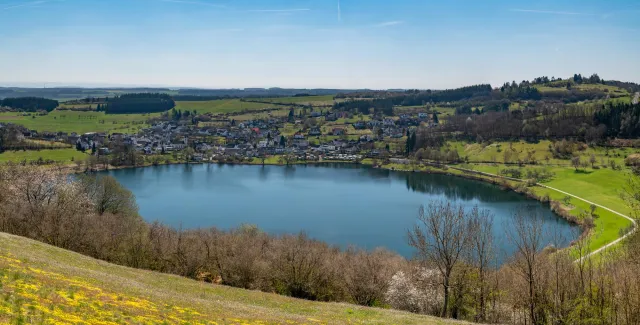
(429, 168)
(432, 168)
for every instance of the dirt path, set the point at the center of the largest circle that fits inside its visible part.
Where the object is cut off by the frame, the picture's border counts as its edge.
(635, 225)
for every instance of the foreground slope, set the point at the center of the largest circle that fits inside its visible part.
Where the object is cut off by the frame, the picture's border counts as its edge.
(44, 284)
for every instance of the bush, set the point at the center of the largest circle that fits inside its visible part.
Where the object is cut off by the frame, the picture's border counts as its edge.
(511, 172)
(633, 160)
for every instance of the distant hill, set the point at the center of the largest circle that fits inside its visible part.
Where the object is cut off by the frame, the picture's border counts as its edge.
(41, 282)
(64, 93)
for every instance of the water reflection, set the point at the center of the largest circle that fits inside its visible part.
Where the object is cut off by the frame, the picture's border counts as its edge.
(340, 203)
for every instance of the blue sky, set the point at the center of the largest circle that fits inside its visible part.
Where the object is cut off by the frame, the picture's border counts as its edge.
(314, 43)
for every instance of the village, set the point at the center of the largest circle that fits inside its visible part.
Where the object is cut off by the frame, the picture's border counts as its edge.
(317, 136)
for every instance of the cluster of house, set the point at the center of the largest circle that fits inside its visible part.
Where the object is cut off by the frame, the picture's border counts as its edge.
(253, 138)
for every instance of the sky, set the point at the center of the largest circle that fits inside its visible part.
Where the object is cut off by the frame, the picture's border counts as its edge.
(375, 44)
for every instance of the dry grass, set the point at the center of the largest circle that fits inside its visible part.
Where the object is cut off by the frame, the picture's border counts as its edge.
(44, 284)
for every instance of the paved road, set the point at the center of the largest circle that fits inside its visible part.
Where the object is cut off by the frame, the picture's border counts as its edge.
(633, 221)
(636, 98)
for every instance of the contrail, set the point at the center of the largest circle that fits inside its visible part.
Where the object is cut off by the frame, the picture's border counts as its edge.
(339, 14)
(551, 12)
(279, 10)
(33, 3)
(195, 3)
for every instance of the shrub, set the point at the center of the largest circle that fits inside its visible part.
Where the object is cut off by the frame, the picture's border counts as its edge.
(633, 160)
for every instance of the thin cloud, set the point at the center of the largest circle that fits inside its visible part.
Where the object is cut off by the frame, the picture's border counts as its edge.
(279, 10)
(32, 3)
(199, 3)
(550, 12)
(390, 23)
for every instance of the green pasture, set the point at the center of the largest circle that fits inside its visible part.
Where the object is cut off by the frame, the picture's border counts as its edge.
(80, 122)
(58, 155)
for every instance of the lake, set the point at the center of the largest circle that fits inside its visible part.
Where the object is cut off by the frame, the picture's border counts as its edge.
(340, 204)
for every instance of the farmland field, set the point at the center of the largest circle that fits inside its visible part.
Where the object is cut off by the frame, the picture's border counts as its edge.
(326, 100)
(58, 155)
(221, 106)
(80, 122)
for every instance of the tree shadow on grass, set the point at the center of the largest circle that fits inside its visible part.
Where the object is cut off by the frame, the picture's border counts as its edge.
(582, 171)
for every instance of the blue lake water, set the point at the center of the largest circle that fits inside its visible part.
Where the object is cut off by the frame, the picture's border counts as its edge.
(340, 204)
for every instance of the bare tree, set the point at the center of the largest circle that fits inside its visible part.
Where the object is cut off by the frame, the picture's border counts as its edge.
(481, 254)
(367, 275)
(576, 162)
(526, 236)
(631, 194)
(440, 237)
(108, 195)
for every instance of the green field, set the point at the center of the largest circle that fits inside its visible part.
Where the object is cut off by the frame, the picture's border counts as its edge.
(80, 122)
(412, 110)
(613, 90)
(42, 284)
(494, 152)
(601, 186)
(222, 106)
(58, 155)
(326, 100)
(64, 106)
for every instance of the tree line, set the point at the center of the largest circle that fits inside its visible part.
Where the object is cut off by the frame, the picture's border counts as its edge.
(621, 120)
(383, 105)
(29, 104)
(589, 123)
(139, 103)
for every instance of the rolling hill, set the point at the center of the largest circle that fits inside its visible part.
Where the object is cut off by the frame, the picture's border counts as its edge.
(42, 284)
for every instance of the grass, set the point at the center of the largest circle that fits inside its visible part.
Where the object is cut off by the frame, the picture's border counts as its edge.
(78, 106)
(58, 155)
(44, 284)
(494, 152)
(222, 106)
(601, 186)
(307, 100)
(80, 122)
(613, 90)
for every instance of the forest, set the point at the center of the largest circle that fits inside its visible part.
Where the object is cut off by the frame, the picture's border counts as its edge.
(29, 104)
(590, 123)
(139, 103)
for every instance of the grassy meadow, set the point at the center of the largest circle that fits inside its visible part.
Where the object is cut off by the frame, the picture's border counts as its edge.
(326, 100)
(599, 184)
(222, 106)
(80, 122)
(57, 155)
(42, 284)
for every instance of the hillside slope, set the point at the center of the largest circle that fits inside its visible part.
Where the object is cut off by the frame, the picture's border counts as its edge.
(44, 284)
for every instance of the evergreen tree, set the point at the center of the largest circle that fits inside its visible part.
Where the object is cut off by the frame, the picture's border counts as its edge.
(411, 143)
